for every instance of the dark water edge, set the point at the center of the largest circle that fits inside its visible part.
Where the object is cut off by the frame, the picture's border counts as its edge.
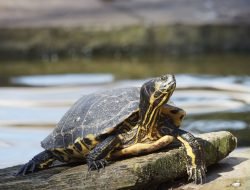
(176, 39)
(130, 67)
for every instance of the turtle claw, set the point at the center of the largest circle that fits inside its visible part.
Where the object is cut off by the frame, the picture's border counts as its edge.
(96, 164)
(40, 161)
(197, 174)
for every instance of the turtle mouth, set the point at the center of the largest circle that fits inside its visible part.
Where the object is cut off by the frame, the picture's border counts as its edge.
(172, 83)
(170, 86)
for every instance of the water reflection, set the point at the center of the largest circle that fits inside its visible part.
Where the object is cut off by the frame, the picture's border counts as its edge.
(62, 80)
(212, 103)
(203, 126)
(228, 83)
(18, 145)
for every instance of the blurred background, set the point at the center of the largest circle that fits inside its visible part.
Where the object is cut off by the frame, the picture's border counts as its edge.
(53, 52)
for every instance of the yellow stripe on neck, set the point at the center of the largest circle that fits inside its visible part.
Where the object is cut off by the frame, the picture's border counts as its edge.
(153, 113)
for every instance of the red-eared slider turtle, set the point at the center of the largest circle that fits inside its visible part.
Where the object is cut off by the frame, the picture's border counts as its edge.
(119, 123)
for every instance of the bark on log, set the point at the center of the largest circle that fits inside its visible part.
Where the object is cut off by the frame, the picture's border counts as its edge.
(133, 173)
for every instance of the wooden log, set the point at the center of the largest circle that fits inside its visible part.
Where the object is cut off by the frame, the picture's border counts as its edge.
(133, 173)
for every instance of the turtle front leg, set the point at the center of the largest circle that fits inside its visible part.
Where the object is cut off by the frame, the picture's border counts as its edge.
(41, 161)
(142, 148)
(196, 167)
(96, 157)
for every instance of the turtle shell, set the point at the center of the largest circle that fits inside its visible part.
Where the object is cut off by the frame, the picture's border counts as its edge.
(94, 114)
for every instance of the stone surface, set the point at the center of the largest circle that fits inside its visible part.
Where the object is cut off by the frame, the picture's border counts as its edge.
(139, 172)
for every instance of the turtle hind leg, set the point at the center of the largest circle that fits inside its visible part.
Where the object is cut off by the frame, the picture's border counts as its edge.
(96, 157)
(40, 161)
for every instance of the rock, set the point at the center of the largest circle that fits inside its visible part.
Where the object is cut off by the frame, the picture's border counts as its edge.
(232, 172)
(138, 172)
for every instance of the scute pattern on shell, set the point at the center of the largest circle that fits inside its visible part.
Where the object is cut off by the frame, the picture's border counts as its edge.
(93, 114)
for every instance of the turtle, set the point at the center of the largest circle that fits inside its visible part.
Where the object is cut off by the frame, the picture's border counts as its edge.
(117, 123)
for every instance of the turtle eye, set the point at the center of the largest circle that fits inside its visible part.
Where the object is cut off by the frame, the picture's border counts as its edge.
(164, 77)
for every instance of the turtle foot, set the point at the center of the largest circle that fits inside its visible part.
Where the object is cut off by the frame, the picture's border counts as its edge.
(40, 161)
(96, 164)
(197, 174)
(29, 167)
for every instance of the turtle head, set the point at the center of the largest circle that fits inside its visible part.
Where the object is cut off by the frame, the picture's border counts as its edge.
(154, 94)
(158, 90)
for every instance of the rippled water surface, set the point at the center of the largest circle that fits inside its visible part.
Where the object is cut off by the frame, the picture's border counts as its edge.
(29, 113)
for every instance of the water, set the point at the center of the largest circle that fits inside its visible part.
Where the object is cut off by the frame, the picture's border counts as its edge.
(28, 114)
(19, 145)
(63, 80)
